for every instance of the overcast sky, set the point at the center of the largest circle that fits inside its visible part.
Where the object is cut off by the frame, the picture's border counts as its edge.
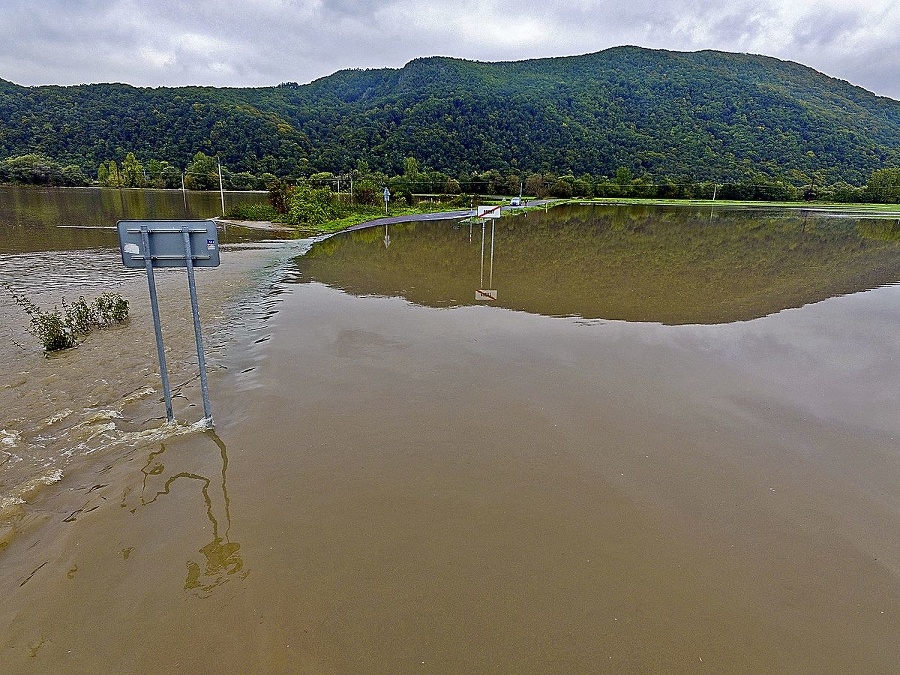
(263, 42)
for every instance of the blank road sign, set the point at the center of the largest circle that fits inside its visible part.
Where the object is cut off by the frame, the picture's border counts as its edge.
(167, 242)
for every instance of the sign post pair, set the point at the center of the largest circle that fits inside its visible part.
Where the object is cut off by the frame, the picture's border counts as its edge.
(172, 243)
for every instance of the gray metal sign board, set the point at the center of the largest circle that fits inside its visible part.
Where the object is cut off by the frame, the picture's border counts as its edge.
(166, 242)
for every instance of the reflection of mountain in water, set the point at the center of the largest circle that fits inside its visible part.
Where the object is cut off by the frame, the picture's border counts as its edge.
(670, 265)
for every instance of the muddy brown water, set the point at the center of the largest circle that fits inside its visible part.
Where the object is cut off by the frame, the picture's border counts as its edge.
(402, 479)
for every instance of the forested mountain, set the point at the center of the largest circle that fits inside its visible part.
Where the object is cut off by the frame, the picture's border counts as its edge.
(685, 116)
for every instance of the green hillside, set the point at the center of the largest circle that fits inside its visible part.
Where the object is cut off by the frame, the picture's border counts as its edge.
(684, 116)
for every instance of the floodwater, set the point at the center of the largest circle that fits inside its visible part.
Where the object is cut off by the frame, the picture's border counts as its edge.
(57, 245)
(669, 445)
(62, 219)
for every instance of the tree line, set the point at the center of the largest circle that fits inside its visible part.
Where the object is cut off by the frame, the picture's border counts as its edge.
(364, 186)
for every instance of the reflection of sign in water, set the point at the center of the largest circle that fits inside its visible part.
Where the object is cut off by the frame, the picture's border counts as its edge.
(221, 558)
(484, 294)
(172, 243)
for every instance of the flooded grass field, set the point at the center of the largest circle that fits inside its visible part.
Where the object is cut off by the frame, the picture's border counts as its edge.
(669, 445)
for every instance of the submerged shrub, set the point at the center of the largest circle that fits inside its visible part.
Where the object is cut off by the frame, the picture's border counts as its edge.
(59, 330)
(79, 317)
(51, 328)
(109, 309)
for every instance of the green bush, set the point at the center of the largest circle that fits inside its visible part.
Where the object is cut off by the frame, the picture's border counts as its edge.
(109, 309)
(312, 206)
(79, 316)
(252, 212)
(51, 328)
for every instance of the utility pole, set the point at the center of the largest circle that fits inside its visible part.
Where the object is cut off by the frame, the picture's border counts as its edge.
(221, 187)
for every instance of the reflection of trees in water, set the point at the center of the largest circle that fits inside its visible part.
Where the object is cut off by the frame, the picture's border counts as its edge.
(221, 557)
(644, 263)
(30, 217)
(880, 230)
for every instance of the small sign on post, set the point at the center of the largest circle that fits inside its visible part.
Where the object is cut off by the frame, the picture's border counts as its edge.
(172, 243)
(489, 211)
(387, 198)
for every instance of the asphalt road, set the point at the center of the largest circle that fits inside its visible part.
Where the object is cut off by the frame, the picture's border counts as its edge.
(443, 215)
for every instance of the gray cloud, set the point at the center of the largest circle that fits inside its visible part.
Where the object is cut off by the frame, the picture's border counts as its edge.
(263, 42)
(825, 29)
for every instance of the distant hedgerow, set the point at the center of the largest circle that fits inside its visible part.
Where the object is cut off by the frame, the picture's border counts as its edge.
(253, 212)
(60, 329)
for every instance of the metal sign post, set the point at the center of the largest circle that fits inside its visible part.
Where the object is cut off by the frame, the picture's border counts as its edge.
(167, 243)
(195, 310)
(387, 198)
(157, 327)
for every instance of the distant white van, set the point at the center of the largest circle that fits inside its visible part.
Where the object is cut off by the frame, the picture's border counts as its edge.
(515, 201)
